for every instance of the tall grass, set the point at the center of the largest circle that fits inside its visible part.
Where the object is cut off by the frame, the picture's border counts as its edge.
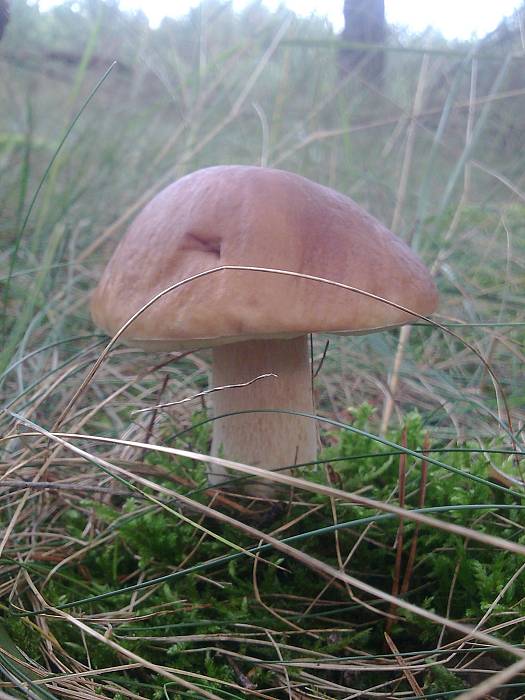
(121, 575)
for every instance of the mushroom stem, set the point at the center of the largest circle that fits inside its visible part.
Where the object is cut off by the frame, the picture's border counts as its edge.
(269, 440)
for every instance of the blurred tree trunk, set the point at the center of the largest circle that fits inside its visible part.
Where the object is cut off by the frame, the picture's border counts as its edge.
(4, 15)
(364, 24)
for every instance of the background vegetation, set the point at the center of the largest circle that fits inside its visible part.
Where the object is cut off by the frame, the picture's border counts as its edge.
(112, 586)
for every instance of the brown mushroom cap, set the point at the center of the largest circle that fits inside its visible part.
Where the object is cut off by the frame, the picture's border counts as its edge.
(242, 215)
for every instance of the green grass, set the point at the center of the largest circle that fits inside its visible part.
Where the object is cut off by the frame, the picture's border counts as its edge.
(110, 586)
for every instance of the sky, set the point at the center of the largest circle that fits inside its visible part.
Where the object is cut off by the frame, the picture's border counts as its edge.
(455, 19)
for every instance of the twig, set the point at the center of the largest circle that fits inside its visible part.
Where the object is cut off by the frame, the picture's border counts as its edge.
(421, 503)
(399, 536)
(401, 197)
(402, 665)
(323, 357)
(151, 425)
(204, 393)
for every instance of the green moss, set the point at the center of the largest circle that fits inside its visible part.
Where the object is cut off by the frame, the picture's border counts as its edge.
(440, 679)
(20, 632)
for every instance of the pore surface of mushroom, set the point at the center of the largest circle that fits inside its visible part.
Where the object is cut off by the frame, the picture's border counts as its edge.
(257, 323)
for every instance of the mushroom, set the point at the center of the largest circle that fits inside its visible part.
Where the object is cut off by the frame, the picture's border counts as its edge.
(257, 323)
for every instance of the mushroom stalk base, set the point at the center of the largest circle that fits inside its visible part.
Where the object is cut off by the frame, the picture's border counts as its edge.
(268, 440)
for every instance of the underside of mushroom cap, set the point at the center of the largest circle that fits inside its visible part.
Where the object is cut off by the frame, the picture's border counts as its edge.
(260, 217)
